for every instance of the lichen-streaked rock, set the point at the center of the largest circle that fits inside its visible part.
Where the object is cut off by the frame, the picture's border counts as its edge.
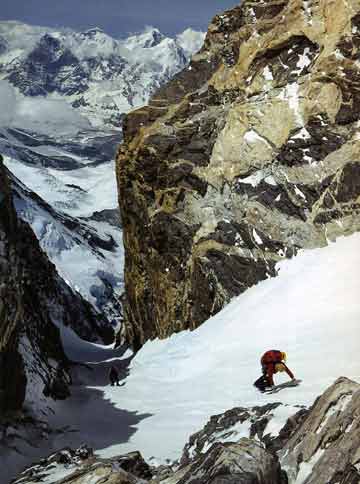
(248, 155)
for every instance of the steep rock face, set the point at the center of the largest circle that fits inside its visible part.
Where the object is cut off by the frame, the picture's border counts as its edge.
(47, 68)
(33, 299)
(12, 374)
(248, 155)
(58, 233)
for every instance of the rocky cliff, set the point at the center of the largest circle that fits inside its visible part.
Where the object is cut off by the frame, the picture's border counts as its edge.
(247, 156)
(33, 300)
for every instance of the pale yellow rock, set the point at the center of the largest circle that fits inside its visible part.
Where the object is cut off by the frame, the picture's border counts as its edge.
(322, 98)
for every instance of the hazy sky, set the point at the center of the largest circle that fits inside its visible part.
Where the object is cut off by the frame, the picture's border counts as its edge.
(116, 17)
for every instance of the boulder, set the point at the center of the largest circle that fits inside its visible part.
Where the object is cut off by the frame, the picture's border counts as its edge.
(243, 462)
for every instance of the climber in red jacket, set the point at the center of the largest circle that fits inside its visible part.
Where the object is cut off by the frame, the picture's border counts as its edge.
(273, 361)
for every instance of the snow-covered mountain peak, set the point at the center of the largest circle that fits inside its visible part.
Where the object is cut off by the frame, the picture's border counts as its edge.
(150, 37)
(50, 49)
(155, 38)
(92, 43)
(94, 32)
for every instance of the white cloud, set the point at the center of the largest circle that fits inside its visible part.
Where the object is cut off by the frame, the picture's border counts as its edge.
(43, 115)
(191, 41)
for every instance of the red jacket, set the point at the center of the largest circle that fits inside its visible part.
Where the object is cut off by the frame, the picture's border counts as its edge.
(268, 362)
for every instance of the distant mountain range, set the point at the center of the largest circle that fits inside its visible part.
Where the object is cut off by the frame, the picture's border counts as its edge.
(100, 76)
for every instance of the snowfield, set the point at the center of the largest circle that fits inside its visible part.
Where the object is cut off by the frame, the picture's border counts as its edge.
(311, 311)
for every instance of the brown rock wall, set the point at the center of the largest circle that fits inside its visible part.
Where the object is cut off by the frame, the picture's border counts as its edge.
(249, 154)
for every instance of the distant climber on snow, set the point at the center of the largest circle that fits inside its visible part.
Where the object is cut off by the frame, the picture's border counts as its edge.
(273, 361)
(114, 376)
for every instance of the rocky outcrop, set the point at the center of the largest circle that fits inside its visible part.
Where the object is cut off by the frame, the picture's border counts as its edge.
(243, 462)
(33, 300)
(317, 445)
(248, 155)
(80, 466)
(326, 447)
(252, 423)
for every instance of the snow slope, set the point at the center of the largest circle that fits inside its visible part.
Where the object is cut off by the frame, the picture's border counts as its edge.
(311, 311)
(88, 254)
(96, 186)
